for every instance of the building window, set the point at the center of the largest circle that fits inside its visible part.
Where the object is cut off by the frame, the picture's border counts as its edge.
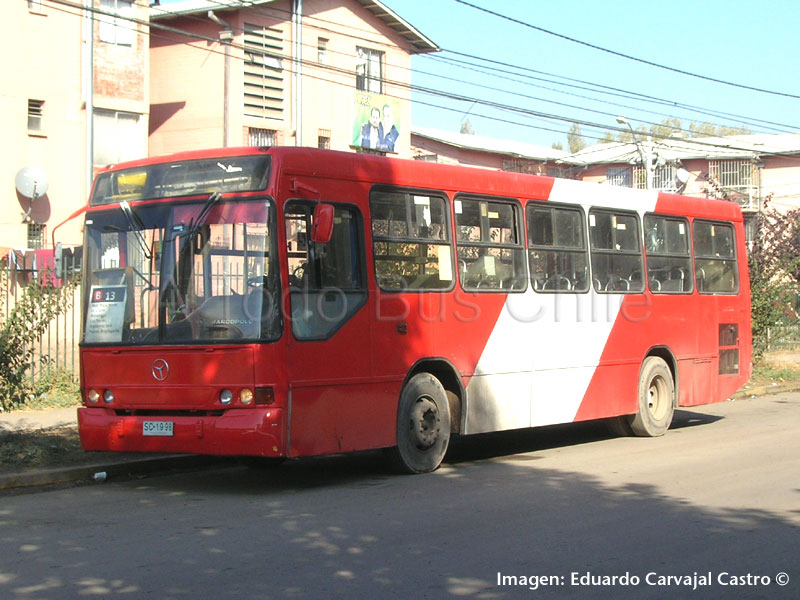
(427, 157)
(521, 165)
(664, 178)
(619, 176)
(262, 137)
(118, 136)
(369, 70)
(324, 139)
(737, 180)
(120, 29)
(35, 116)
(322, 51)
(561, 172)
(36, 235)
(263, 72)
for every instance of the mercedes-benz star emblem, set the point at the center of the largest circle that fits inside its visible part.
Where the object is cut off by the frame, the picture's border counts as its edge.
(160, 369)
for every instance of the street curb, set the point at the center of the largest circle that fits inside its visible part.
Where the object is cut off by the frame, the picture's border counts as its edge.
(766, 390)
(102, 471)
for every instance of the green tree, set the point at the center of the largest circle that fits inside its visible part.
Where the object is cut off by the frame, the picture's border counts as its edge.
(708, 130)
(774, 264)
(27, 320)
(666, 128)
(608, 138)
(575, 140)
(557, 146)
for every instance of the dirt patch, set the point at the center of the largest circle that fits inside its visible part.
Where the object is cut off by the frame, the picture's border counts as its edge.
(783, 360)
(49, 449)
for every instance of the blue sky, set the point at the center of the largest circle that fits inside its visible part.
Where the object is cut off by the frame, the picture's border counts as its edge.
(752, 44)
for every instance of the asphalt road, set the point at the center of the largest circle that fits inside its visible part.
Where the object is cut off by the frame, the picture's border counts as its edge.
(711, 510)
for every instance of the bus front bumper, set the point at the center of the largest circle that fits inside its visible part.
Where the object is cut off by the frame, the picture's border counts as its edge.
(237, 432)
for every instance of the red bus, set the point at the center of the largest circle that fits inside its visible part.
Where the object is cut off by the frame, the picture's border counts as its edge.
(287, 302)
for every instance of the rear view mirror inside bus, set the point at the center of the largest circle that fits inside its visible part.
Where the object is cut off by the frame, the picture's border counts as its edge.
(322, 223)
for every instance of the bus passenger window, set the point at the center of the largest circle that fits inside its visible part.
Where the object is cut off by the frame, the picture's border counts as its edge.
(557, 251)
(490, 252)
(616, 252)
(411, 241)
(715, 263)
(669, 262)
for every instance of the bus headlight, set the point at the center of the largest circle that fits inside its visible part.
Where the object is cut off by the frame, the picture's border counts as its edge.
(225, 396)
(108, 396)
(93, 396)
(246, 396)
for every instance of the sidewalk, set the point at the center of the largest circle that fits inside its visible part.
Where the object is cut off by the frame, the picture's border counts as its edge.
(106, 465)
(110, 465)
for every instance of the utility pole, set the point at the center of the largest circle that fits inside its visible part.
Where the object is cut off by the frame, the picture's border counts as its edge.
(645, 154)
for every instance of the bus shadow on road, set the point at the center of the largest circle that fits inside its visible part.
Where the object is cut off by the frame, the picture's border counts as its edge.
(692, 418)
(371, 468)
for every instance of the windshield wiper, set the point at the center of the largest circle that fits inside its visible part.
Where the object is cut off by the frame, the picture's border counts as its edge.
(195, 224)
(136, 225)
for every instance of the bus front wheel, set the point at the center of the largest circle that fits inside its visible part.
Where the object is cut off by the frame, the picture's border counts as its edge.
(656, 399)
(423, 426)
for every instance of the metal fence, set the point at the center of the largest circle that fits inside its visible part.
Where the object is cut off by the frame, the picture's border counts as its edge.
(782, 337)
(57, 349)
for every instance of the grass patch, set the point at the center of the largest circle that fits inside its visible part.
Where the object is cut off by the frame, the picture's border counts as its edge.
(776, 369)
(57, 388)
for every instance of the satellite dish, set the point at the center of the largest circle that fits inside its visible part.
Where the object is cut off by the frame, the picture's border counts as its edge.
(682, 175)
(31, 182)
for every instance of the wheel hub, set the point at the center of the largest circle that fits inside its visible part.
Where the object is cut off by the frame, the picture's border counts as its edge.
(424, 423)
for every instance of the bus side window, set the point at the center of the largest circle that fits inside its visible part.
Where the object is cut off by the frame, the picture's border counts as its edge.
(490, 251)
(669, 261)
(411, 241)
(557, 251)
(616, 251)
(326, 281)
(715, 261)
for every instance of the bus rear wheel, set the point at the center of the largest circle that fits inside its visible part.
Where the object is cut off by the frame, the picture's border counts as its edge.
(423, 426)
(656, 399)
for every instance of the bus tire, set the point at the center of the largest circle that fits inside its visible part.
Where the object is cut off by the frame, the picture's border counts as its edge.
(423, 426)
(656, 399)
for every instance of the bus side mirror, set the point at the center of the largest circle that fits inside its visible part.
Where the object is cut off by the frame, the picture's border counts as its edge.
(322, 223)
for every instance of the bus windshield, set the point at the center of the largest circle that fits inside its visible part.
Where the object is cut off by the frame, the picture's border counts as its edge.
(186, 178)
(176, 273)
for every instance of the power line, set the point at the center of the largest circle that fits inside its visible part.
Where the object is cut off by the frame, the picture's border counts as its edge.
(399, 84)
(595, 87)
(604, 89)
(626, 56)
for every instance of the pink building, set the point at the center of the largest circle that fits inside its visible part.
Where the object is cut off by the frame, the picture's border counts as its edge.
(285, 72)
(55, 104)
